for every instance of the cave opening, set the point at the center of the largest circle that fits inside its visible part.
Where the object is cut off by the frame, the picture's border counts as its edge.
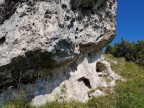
(100, 67)
(85, 81)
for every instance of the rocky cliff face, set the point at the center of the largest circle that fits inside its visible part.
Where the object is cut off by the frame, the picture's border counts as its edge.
(51, 49)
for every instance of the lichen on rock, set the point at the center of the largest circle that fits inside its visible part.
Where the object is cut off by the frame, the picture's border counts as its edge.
(46, 45)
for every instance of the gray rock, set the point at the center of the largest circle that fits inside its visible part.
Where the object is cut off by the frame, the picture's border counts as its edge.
(2, 2)
(46, 45)
(97, 93)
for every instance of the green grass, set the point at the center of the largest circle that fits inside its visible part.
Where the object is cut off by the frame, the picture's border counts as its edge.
(17, 104)
(129, 94)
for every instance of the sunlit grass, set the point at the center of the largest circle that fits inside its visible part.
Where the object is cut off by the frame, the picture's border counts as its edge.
(131, 93)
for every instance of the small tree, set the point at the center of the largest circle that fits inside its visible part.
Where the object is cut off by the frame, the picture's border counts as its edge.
(109, 49)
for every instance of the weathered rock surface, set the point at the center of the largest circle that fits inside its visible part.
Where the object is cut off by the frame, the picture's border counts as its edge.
(51, 49)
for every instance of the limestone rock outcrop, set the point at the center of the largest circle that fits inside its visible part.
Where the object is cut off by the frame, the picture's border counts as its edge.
(51, 49)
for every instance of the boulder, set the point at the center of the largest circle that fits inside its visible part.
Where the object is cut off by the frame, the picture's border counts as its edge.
(49, 49)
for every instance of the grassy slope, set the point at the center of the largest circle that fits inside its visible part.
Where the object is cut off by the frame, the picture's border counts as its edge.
(131, 93)
(128, 95)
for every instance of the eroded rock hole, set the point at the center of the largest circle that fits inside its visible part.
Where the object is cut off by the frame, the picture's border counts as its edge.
(48, 14)
(100, 67)
(2, 40)
(64, 6)
(67, 18)
(85, 81)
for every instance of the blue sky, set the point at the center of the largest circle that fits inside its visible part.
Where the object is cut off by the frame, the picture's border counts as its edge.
(130, 20)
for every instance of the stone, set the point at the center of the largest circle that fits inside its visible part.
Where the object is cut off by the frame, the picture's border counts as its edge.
(82, 79)
(2, 2)
(97, 93)
(52, 49)
(113, 83)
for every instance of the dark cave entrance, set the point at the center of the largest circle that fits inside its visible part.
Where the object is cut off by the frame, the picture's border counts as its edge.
(100, 67)
(85, 81)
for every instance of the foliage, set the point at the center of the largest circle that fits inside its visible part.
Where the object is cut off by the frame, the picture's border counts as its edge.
(131, 51)
(109, 49)
(17, 104)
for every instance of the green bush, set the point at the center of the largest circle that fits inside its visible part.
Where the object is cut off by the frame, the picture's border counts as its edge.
(131, 51)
